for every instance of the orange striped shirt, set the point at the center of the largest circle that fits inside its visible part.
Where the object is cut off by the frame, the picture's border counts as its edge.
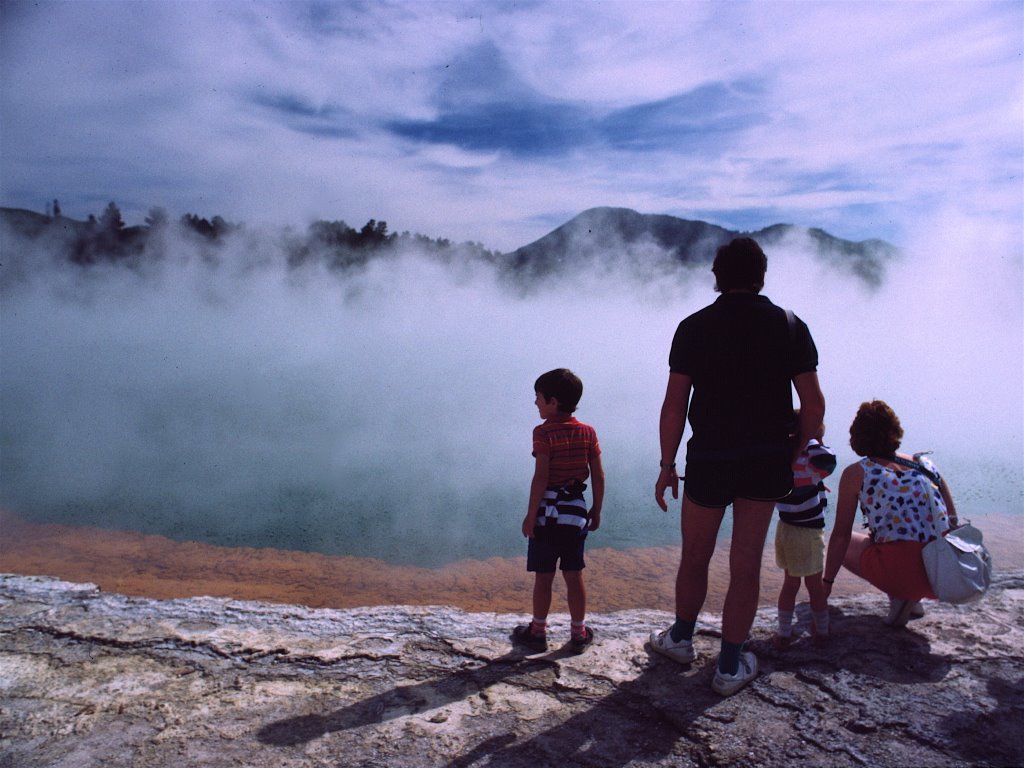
(569, 445)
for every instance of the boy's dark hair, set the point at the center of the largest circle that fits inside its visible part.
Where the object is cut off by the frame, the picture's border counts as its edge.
(563, 385)
(740, 265)
(875, 430)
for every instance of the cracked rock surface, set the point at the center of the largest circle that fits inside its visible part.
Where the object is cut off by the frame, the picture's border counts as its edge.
(89, 678)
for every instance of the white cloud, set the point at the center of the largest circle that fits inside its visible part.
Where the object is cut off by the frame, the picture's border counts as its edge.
(897, 108)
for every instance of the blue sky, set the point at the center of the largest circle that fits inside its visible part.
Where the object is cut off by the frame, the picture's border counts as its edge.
(497, 121)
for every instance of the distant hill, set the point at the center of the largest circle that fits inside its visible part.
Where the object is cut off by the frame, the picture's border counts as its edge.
(600, 238)
(82, 242)
(643, 241)
(28, 223)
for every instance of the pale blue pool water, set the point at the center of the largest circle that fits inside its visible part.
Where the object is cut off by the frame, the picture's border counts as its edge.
(389, 415)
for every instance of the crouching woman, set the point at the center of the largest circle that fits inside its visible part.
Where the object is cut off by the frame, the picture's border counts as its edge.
(905, 504)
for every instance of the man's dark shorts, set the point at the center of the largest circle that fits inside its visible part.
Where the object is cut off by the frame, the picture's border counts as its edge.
(553, 543)
(716, 479)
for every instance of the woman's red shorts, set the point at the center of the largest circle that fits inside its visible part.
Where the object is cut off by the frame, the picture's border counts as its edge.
(896, 568)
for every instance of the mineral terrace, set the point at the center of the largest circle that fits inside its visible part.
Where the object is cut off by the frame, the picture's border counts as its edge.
(89, 678)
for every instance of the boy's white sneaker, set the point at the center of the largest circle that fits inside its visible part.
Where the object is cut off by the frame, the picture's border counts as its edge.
(682, 651)
(727, 685)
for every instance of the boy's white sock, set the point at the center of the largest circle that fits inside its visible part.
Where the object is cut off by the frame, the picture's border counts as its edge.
(785, 623)
(579, 628)
(539, 626)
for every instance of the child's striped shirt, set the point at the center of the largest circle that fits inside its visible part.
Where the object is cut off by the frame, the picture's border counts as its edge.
(805, 505)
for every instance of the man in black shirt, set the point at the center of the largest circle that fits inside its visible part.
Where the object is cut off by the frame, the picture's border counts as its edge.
(731, 368)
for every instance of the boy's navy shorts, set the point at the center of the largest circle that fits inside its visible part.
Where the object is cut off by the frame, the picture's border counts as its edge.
(716, 480)
(553, 543)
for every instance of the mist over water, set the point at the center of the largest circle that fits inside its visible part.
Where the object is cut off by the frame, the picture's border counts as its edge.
(387, 411)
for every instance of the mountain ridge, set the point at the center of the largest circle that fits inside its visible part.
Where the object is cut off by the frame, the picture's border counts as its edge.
(602, 236)
(597, 232)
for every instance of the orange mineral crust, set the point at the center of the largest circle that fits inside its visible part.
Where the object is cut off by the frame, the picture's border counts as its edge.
(154, 566)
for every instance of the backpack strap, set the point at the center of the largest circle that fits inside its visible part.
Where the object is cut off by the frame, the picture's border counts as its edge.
(791, 323)
(920, 468)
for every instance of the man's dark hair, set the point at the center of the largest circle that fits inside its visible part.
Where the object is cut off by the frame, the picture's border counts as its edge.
(563, 385)
(740, 265)
(875, 430)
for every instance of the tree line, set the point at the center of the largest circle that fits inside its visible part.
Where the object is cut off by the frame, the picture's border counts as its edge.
(106, 238)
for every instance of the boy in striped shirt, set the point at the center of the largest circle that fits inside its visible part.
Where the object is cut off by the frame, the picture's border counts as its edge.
(800, 540)
(557, 520)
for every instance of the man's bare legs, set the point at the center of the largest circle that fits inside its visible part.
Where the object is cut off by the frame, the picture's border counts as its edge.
(700, 532)
(750, 522)
(700, 525)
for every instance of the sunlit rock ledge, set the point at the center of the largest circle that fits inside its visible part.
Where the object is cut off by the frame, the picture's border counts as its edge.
(92, 678)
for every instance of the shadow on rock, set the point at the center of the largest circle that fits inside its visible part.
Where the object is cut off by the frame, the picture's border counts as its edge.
(647, 718)
(411, 699)
(644, 720)
(862, 644)
(612, 724)
(983, 736)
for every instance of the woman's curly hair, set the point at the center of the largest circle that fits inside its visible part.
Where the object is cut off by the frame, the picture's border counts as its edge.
(876, 430)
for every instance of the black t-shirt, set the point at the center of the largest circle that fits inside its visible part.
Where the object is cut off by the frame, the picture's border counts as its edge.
(741, 356)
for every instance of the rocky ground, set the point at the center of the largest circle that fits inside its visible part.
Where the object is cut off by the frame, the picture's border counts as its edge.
(89, 678)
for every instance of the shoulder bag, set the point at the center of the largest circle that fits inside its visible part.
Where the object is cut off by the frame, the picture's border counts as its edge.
(958, 564)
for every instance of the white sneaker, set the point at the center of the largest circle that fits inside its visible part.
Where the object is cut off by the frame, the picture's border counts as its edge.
(727, 685)
(683, 651)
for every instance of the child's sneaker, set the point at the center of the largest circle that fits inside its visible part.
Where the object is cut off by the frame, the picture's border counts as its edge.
(524, 635)
(727, 685)
(683, 651)
(917, 610)
(579, 643)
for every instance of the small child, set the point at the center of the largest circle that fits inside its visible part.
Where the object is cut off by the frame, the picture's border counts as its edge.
(800, 540)
(557, 520)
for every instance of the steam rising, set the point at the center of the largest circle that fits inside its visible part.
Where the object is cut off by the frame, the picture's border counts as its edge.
(387, 411)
